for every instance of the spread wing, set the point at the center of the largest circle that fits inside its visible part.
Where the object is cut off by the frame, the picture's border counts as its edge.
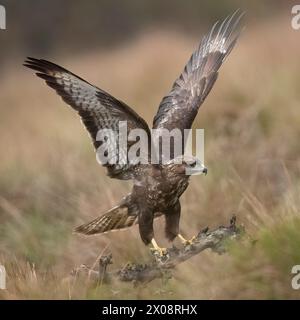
(179, 108)
(97, 109)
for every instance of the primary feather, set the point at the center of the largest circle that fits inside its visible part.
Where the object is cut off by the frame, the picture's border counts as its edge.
(97, 108)
(179, 108)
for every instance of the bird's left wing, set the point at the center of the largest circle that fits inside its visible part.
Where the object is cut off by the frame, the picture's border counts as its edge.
(97, 109)
(179, 108)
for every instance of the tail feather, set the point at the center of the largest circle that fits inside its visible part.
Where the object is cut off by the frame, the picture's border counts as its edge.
(122, 216)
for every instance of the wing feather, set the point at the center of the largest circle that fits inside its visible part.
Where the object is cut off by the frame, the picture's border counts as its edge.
(97, 108)
(179, 108)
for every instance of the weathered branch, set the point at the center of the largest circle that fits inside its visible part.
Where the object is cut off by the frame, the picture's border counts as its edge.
(161, 266)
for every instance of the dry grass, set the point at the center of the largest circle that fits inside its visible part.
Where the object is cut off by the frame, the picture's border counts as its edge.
(50, 180)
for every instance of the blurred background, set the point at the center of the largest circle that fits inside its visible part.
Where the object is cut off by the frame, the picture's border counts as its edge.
(50, 181)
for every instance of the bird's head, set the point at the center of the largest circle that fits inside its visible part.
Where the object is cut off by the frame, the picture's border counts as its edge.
(186, 165)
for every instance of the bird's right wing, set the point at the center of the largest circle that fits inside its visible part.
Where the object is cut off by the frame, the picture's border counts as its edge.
(97, 109)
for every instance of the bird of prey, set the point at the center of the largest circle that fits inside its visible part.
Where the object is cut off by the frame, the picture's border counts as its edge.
(156, 187)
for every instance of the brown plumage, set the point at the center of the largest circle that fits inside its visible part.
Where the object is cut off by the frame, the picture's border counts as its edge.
(156, 188)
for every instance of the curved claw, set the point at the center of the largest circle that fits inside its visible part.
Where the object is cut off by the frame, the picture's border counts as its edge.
(159, 251)
(156, 250)
(186, 242)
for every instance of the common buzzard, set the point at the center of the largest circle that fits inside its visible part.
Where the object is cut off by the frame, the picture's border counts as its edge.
(156, 187)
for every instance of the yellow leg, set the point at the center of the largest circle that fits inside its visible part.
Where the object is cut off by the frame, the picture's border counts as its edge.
(185, 241)
(156, 248)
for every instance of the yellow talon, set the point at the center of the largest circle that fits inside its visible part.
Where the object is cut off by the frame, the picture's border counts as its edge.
(161, 251)
(185, 241)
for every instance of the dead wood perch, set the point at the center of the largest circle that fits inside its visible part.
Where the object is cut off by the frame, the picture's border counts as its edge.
(161, 267)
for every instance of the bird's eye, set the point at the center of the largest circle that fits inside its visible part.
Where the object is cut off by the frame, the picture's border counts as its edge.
(193, 164)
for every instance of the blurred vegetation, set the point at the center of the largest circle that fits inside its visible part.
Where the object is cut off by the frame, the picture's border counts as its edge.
(51, 182)
(45, 27)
